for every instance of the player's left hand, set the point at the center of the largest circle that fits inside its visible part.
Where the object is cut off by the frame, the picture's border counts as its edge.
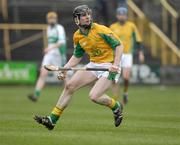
(46, 50)
(141, 57)
(62, 75)
(115, 68)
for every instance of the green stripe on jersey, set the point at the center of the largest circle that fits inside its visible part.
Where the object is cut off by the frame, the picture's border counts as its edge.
(52, 39)
(79, 51)
(113, 42)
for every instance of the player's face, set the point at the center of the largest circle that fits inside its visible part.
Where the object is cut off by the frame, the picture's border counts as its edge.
(52, 21)
(121, 18)
(85, 19)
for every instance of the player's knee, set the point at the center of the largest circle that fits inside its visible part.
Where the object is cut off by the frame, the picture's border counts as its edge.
(93, 96)
(70, 87)
(126, 77)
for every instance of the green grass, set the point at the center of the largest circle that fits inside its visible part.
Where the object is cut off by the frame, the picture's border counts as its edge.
(152, 117)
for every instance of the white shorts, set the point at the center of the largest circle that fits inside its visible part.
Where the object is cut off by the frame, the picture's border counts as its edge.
(52, 59)
(106, 74)
(126, 61)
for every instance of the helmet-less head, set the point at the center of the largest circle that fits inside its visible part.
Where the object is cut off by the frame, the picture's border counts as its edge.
(52, 18)
(121, 14)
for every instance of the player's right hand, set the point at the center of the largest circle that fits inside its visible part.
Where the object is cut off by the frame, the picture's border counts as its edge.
(62, 75)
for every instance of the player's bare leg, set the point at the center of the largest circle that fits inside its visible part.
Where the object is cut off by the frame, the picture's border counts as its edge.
(116, 91)
(76, 82)
(97, 92)
(97, 95)
(116, 87)
(39, 84)
(126, 75)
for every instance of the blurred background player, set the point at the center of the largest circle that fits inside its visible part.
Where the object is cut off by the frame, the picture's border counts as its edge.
(54, 54)
(105, 50)
(129, 35)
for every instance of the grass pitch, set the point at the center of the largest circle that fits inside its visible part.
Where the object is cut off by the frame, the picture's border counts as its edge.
(152, 117)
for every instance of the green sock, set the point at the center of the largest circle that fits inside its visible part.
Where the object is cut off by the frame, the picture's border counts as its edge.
(37, 93)
(117, 105)
(54, 118)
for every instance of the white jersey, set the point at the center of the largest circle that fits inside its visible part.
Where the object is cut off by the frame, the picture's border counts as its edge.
(55, 34)
(56, 56)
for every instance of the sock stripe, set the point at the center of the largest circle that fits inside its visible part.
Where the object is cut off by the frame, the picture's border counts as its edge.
(55, 114)
(115, 106)
(112, 104)
(57, 111)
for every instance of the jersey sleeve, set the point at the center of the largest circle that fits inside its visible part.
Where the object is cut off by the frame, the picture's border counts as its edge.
(78, 50)
(137, 34)
(109, 37)
(61, 34)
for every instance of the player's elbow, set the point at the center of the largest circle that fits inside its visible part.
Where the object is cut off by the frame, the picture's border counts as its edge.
(61, 42)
